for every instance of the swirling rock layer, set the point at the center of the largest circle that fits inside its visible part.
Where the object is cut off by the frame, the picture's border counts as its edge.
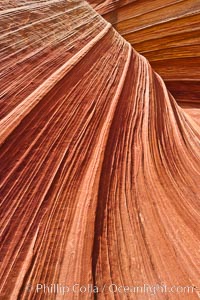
(99, 164)
(167, 33)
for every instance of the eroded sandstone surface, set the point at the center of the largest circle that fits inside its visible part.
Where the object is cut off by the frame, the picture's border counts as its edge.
(99, 163)
(167, 33)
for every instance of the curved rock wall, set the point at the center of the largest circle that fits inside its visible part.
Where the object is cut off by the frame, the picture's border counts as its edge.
(167, 33)
(99, 164)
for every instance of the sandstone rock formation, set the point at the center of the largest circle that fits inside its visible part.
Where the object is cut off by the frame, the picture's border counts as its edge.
(99, 163)
(167, 33)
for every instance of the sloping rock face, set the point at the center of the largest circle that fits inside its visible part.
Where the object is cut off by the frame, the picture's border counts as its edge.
(99, 164)
(167, 33)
